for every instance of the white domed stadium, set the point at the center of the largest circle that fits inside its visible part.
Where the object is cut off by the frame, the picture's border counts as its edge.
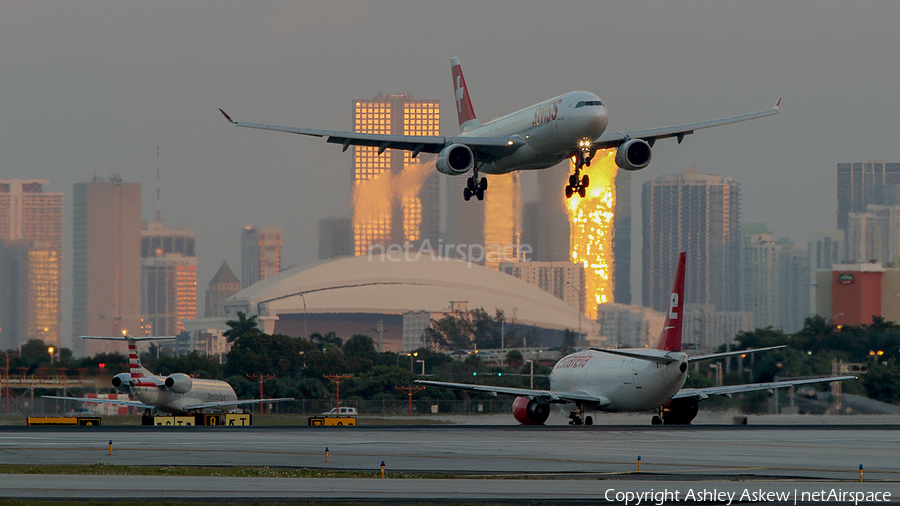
(350, 295)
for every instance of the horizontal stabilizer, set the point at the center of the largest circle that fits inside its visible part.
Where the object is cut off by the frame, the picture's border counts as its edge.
(639, 356)
(125, 338)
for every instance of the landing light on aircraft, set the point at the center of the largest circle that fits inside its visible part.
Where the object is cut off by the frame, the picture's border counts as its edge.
(124, 332)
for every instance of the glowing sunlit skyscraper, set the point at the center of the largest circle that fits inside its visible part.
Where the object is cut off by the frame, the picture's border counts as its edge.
(168, 279)
(30, 262)
(591, 237)
(395, 197)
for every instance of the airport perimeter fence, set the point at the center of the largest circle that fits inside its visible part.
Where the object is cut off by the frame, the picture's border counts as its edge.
(54, 407)
(419, 406)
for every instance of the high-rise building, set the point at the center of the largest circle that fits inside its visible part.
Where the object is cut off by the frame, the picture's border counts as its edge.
(168, 279)
(335, 238)
(874, 235)
(699, 214)
(564, 280)
(622, 239)
(503, 219)
(223, 285)
(775, 279)
(106, 286)
(860, 184)
(260, 254)
(825, 252)
(31, 222)
(395, 196)
(550, 225)
(465, 220)
(553, 227)
(625, 326)
(705, 329)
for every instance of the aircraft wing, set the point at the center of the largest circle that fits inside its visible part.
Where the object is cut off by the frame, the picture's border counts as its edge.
(703, 393)
(133, 404)
(222, 404)
(551, 396)
(482, 147)
(614, 139)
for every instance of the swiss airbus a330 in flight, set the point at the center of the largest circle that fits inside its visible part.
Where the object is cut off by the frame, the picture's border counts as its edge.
(537, 137)
(634, 379)
(175, 393)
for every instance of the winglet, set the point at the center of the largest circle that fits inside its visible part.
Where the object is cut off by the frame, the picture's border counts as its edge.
(777, 105)
(235, 122)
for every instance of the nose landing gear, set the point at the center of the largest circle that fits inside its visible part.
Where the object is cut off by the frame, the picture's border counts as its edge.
(577, 183)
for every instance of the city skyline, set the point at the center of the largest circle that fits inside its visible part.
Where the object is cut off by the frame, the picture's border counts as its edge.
(159, 242)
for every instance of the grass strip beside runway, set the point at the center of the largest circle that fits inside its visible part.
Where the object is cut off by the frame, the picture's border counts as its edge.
(103, 469)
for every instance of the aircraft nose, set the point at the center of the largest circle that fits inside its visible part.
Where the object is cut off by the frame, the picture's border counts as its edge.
(600, 119)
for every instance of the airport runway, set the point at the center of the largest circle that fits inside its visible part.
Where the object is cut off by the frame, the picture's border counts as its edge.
(436, 490)
(559, 460)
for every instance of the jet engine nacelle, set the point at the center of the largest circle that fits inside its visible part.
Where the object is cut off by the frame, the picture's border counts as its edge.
(680, 411)
(121, 381)
(455, 159)
(179, 383)
(530, 412)
(634, 154)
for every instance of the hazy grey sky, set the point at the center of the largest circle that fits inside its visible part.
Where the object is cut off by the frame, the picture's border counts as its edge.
(93, 87)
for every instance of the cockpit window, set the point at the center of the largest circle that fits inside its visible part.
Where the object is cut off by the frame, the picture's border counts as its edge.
(579, 104)
(588, 103)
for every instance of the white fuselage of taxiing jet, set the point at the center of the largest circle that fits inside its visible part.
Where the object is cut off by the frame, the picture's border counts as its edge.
(164, 399)
(630, 384)
(551, 131)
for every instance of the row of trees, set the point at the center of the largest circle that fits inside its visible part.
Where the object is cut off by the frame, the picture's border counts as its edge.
(815, 350)
(300, 365)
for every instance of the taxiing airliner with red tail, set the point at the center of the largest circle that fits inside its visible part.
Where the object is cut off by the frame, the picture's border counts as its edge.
(176, 393)
(634, 379)
(537, 137)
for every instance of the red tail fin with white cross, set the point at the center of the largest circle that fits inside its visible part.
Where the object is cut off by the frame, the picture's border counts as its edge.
(467, 119)
(670, 338)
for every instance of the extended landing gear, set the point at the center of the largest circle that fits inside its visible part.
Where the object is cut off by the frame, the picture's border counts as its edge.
(475, 187)
(577, 417)
(577, 183)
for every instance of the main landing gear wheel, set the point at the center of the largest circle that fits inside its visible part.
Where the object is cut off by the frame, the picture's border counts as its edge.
(656, 420)
(475, 189)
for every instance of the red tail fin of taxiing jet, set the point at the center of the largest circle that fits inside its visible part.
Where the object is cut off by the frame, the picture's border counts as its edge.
(670, 338)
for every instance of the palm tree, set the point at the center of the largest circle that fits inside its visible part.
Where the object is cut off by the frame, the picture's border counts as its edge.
(243, 326)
